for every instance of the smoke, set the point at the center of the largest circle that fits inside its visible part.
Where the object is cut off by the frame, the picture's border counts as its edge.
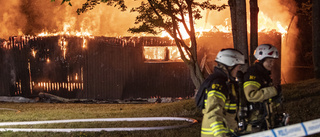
(270, 12)
(284, 11)
(13, 77)
(278, 10)
(31, 17)
(12, 21)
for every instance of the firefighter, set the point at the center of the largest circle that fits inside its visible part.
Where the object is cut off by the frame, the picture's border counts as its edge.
(259, 89)
(220, 105)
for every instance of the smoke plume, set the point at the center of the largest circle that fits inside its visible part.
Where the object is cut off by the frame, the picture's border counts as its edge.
(12, 21)
(31, 17)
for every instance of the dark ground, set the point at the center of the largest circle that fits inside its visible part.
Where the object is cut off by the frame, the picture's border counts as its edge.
(302, 100)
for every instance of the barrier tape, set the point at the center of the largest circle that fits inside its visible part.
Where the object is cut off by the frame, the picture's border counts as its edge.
(191, 121)
(295, 130)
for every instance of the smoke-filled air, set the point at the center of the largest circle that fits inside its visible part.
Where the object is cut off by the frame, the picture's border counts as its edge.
(32, 17)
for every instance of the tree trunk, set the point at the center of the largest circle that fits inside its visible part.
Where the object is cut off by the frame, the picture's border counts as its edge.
(316, 37)
(196, 75)
(232, 4)
(242, 38)
(192, 63)
(254, 9)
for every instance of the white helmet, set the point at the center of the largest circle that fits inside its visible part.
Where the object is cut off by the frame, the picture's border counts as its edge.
(230, 57)
(266, 51)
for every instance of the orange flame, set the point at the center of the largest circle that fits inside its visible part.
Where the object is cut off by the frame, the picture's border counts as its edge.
(163, 53)
(63, 44)
(156, 53)
(76, 77)
(84, 43)
(66, 31)
(50, 86)
(33, 52)
(265, 24)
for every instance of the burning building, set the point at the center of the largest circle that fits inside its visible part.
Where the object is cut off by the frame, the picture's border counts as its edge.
(87, 67)
(63, 57)
(99, 68)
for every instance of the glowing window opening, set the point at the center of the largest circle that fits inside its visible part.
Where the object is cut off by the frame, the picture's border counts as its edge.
(161, 54)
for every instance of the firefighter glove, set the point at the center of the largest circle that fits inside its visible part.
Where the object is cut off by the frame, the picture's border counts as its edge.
(278, 98)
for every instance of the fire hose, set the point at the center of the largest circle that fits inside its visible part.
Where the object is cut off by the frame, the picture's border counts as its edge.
(10, 109)
(190, 120)
(295, 130)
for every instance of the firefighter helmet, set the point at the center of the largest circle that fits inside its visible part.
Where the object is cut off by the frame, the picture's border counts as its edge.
(230, 57)
(266, 51)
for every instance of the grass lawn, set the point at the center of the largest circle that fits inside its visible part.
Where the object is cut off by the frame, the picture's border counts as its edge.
(59, 111)
(301, 102)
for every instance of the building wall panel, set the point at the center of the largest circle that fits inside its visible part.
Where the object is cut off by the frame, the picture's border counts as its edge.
(119, 72)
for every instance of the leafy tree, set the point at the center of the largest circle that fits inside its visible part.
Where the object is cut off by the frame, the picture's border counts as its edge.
(171, 16)
(90, 4)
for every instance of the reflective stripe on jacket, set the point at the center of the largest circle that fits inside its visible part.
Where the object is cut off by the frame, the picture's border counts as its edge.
(258, 88)
(258, 84)
(220, 107)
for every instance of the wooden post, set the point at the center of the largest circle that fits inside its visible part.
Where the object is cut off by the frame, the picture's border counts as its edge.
(254, 9)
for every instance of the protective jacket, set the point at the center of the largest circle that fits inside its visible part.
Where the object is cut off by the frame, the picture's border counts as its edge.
(219, 117)
(258, 89)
